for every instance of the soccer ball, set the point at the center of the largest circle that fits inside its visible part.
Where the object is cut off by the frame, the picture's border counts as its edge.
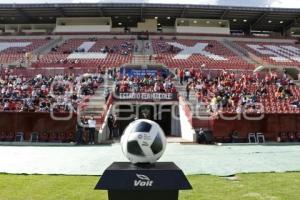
(143, 141)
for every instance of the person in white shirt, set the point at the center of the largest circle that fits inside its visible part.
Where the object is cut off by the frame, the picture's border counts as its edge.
(187, 75)
(92, 128)
(199, 86)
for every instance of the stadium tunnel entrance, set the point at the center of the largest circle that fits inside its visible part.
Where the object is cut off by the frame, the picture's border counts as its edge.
(165, 114)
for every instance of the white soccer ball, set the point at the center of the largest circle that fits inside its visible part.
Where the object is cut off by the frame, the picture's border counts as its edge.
(143, 141)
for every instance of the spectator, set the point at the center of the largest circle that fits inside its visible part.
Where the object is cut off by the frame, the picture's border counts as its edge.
(187, 75)
(110, 123)
(188, 88)
(92, 128)
(234, 136)
(79, 131)
(181, 76)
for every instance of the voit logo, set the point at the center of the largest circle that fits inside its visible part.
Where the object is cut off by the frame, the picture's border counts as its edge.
(143, 181)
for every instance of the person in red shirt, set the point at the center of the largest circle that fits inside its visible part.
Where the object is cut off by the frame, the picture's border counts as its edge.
(192, 72)
(267, 79)
(12, 105)
(181, 74)
(173, 89)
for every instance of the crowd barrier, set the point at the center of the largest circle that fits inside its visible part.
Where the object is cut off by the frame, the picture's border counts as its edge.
(26, 122)
(271, 125)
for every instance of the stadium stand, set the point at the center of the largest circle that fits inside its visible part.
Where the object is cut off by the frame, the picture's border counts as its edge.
(230, 92)
(284, 54)
(38, 93)
(196, 53)
(91, 52)
(16, 49)
(217, 69)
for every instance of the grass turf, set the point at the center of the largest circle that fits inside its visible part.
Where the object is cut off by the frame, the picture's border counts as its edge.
(261, 186)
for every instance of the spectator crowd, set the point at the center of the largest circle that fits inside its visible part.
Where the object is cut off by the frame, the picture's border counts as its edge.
(41, 93)
(236, 92)
(146, 83)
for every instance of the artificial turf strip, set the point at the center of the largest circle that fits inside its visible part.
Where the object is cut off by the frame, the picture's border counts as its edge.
(261, 186)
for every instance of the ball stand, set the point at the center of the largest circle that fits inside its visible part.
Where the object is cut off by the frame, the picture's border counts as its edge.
(127, 181)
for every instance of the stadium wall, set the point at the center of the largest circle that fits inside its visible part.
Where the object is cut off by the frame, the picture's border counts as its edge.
(188, 133)
(83, 28)
(27, 122)
(271, 126)
(205, 30)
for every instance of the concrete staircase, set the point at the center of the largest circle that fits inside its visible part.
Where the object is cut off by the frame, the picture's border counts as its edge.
(140, 49)
(148, 51)
(47, 48)
(142, 59)
(97, 103)
(198, 109)
(142, 55)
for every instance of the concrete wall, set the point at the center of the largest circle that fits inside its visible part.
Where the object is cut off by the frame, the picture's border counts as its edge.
(208, 30)
(168, 29)
(83, 28)
(149, 25)
(187, 131)
(117, 30)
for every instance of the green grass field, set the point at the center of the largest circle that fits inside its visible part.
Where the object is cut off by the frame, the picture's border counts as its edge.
(262, 186)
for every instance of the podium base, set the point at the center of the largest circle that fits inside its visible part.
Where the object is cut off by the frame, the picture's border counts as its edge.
(142, 195)
(159, 181)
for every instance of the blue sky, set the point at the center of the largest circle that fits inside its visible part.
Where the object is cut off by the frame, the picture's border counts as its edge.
(255, 3)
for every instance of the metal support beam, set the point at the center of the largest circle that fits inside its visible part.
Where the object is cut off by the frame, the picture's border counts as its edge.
(292, 23)
(142, 14)
(254, 24)
(283, 32)
(101, 12)
(224, 14)
(182, 13)
(61, 11)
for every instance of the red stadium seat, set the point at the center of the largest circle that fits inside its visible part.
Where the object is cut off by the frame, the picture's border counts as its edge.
(18, 53)
(59, 58)
(161, 49)
(267, 58)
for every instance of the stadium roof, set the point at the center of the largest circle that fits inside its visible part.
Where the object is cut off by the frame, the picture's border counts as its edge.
(258, 18)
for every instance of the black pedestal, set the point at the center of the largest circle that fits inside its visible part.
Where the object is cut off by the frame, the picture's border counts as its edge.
(126, 181)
